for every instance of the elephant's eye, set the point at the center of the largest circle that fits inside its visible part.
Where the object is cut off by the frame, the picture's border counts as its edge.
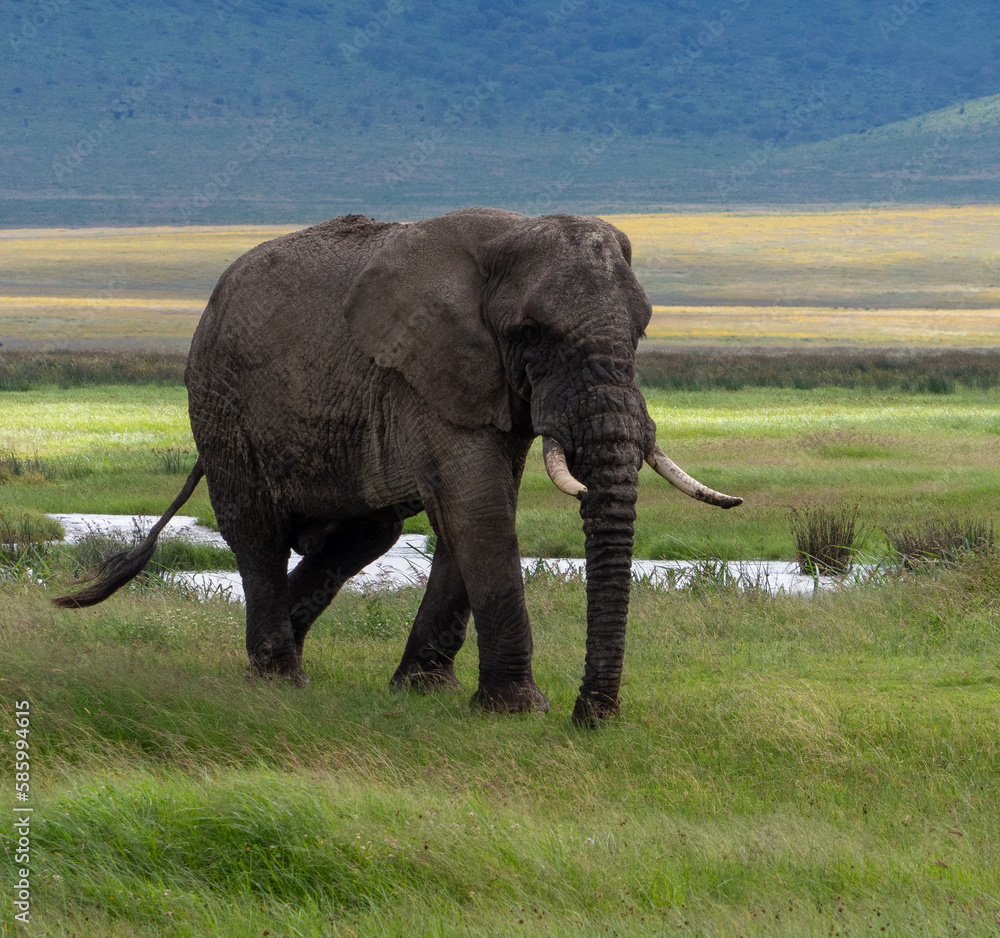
(531, 332)
(525, 331)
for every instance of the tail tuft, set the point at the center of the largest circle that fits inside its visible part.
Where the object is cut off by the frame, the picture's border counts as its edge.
(112, 575)
(116, 571)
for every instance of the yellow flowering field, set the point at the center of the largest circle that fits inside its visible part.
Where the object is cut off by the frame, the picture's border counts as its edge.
(925, 257)
(823, 325)
(913, 275)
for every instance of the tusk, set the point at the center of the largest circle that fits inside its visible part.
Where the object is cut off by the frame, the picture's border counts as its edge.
(678, 478)
(555, 466)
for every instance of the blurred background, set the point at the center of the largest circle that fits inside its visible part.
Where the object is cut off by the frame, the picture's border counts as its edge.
(223, 112)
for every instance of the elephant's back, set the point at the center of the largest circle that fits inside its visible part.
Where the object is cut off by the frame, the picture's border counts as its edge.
(280, 292)
(274, 372)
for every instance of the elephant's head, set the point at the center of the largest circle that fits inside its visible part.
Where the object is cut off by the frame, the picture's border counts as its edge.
(497, 318)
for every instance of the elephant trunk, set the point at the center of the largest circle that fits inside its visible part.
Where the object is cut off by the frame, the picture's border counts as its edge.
(608, 512)
(601, 437)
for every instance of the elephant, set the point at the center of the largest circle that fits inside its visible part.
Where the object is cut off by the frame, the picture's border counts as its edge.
(349, 375)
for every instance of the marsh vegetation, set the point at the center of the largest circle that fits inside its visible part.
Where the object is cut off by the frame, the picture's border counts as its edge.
(901, 456)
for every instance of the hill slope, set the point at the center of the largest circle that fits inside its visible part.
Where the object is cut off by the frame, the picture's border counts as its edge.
(283, 110)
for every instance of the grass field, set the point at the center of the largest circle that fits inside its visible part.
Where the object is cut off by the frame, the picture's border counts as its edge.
(824, 326)
(900, 257)
(767, 277)
(901, 457)
(784, 766)
(143, 287)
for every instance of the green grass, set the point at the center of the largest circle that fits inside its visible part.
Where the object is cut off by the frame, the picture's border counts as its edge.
(901, 456)
(23, 371)
(689, 368)
(784, 766)
(30, 551)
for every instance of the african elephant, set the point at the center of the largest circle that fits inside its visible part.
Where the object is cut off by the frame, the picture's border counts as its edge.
(349, 375)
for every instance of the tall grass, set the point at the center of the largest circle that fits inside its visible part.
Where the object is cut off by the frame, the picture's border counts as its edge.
(172, 554)
(23, 371)
(26, 550)
(825, 539)
(28, 469)
(14, 466)
(783, 766)
(945, 540)
(174, 460)
(30, 551)
(909, 370)
(117, 450)
(690, 369)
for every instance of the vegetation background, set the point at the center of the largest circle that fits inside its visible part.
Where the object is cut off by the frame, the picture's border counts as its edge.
(283, 111)
(785, 765)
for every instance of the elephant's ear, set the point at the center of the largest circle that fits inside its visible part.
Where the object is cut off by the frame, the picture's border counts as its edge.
(624, 244)
(417, 308)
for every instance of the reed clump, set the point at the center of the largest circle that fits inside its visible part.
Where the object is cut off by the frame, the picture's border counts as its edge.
(947, 540)
(825, 538)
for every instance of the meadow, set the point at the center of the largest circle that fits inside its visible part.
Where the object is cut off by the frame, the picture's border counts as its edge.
(784, 765)
(900, 456)
(899, 275)
(124, 287)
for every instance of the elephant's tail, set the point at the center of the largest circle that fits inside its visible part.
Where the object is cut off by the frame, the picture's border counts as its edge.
(116, 571)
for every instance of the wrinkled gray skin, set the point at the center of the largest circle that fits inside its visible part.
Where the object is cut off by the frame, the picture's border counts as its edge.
(349, 375)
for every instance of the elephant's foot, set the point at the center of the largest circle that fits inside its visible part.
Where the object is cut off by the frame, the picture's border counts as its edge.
(265, 665)
(427, 678)
(594, 708)
(510, 698)
(428, 668)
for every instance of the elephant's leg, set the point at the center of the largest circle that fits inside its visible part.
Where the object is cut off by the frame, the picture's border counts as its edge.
(476, 524)
(439, 628)
(491, 568)
(271, 647)
(318, 577)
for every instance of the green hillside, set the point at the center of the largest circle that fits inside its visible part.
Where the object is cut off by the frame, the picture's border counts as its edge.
(278, 110)
(947, 155)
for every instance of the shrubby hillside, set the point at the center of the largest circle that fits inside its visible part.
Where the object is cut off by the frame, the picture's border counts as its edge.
(233, 110)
